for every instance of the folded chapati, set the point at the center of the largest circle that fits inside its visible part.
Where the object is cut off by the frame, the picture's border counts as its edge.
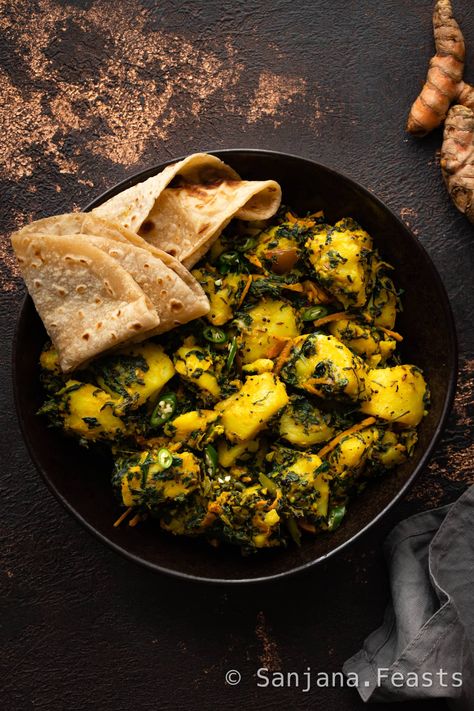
(175, 301)
(131, 207)
(175, 293)
(87, 301)
(184, 220)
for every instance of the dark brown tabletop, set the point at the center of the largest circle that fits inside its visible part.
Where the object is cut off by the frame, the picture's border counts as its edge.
(93, 92)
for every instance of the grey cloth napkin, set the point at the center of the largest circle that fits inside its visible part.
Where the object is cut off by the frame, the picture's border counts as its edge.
(424, 648)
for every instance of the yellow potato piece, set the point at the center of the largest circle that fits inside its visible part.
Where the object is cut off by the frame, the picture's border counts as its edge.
(223, 293)
(329, 367)
(247, 412)
(351, 454)
(340, 257)
(160, 485)
(369, 343)
(193, 363)
(88, 414)
(142, 384)
(191, 426)
(396, 394)
(229, 453)
(270, 322)
(306, 467)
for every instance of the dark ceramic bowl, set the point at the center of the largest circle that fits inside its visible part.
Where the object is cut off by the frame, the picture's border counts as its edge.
(81, 478)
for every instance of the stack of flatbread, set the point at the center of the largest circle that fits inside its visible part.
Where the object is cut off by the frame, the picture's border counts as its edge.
(120, 274)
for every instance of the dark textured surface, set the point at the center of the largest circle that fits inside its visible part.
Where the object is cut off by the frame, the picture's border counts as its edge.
(93, 92)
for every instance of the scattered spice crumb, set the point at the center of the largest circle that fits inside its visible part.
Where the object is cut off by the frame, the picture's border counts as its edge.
(269, 657)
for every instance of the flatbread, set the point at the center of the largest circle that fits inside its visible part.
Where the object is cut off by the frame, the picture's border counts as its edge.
(131, 207)
(181, 297)
(175, 301)
(88, 303)
(186, 221)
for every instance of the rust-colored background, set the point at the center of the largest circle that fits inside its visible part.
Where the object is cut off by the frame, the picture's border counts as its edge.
(93, 92)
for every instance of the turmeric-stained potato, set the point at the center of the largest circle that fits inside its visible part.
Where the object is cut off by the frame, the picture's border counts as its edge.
(248, 514)
(305, 486)
(303, 424)
(142, 479)
(85, 411)
(341, 257)
(389, 450)
(381, 308)
(350, 455)
(135, 375)
(228, 454)
(196, 366)
(264, 326)
(278, 248)
(323, 365)
(248, 411)
(196, 427)
(223, 292)
(373, 345)
(397, 394)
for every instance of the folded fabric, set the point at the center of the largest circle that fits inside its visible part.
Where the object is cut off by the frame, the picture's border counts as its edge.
(424, 648)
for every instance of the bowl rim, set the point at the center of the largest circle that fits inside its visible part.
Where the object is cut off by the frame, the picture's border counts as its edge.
(451, 389)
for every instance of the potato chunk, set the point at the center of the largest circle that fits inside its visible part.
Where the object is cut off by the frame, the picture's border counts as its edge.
(326, 366)
(396, 394)
(88, 412)
(143, 481)
(305, 487)
(303, 424)
(195, 365)
(223, 293)
(278, 250)
(382, 306)
(350, 455)
(373, 345)
(341, 257)
(195, 427)
(247, 412)
(228, 454)
(264, 325)
(136, 374)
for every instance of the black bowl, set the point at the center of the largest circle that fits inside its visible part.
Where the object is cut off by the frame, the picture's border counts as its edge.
(80, 478)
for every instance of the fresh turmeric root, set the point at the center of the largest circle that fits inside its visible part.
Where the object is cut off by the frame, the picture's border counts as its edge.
(457, 158)
(444, 85)
(444, 79)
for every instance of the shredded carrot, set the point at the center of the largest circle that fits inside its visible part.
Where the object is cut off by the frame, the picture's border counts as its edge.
(393, 334)
(274, 504)
(309, 385)
(304, 221)
(311, 390)
(277, 347)
(123, 516)
(136, 519)
(334, 317)
(352, 430)
(316, 293)
(283, 357)
(293, 287)
(253, 259)
(245, 291)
